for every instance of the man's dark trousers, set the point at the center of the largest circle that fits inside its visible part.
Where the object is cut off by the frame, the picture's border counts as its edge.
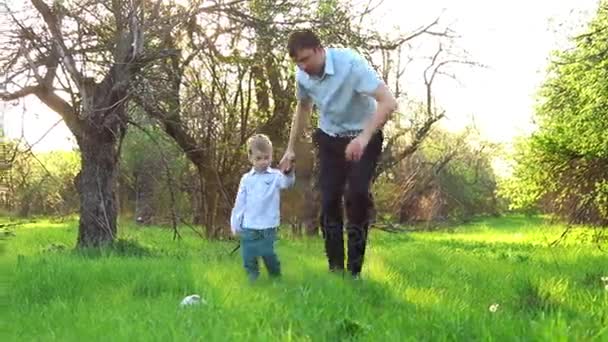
(340, 178)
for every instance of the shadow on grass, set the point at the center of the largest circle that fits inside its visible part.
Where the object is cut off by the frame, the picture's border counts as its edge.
(308, 300)
(120, 248)
(509, 222)
(534, 281)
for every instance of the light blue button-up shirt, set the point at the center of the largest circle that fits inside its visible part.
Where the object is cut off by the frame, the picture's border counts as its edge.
(258, 201)
(342, 93)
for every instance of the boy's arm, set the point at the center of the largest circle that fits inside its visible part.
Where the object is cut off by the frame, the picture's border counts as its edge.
(286, 180)
(238, 211)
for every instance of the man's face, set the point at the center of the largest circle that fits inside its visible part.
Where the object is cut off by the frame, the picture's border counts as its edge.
(311, 61)
(260, 160)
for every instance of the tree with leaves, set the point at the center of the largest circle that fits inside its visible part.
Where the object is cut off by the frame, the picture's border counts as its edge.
(81, 58)
(232, 78)
(563, 166)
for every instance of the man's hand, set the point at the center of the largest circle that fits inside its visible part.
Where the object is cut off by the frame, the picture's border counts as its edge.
(287, 162)
(386, 106)
(354, 150)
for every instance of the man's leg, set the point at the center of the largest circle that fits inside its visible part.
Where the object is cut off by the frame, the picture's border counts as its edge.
(358, 202)
(332, 169)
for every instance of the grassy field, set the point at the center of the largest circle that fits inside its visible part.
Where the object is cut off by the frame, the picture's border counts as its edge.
(416, 286)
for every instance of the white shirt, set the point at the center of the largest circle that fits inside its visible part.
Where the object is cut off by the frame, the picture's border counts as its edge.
(258, 201)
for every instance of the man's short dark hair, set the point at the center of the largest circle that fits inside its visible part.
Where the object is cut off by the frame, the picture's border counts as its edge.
(302, 39)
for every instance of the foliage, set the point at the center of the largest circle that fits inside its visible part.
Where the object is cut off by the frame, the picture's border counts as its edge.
(449, 177)
(43, 184)
(562, 168)
(151, 168)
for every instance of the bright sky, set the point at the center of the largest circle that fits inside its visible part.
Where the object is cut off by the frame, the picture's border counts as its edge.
(513, 38)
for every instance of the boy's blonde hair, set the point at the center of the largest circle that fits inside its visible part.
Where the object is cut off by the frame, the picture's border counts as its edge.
(260, 143)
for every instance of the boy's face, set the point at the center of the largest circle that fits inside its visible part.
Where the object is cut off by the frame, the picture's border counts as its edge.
(260, 160)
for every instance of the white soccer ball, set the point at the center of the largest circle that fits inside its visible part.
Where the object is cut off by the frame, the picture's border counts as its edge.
(192, 300)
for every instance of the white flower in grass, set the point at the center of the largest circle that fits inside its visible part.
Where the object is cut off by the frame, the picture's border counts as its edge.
(494, 307)
(605, 279)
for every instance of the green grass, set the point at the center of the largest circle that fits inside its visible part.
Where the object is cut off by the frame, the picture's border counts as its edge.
(431, 286)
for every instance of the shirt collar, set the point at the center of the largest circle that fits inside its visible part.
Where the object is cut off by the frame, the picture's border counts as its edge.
(328, 69)
(329, 64)
(253, 171)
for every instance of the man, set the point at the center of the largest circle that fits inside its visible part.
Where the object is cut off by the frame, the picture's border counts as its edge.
(354, 105)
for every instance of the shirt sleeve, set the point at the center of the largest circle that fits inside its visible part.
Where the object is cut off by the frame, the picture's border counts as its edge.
(287, 180)
(365, 77)
(238, 211)
(301, 92)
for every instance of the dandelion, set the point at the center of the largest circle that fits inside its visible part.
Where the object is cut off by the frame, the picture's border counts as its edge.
(494, 307)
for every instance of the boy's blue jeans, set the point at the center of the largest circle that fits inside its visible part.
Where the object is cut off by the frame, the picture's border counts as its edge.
(259, 243)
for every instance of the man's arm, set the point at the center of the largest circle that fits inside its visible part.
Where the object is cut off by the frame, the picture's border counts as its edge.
(386, 105)
(300, 120)
(368, 82)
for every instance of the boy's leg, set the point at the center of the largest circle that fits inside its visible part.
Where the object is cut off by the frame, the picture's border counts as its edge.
(332, 169)
(271, 260)
(250, 261)
(358, 202)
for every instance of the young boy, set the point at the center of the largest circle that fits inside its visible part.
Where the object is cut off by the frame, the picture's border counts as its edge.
(256, 213)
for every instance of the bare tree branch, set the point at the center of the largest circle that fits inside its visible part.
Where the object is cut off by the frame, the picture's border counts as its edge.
(53, 23)
(20, 93)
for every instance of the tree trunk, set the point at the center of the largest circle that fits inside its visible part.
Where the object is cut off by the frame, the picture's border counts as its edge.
(102, 132)
(210, 195)
(197, 199)
(144, 192)
(311, 211)
(24, 208)
(307, 187)
(97, 184)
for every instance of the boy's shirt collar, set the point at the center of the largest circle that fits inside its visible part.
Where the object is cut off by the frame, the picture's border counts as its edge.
(265, 171)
